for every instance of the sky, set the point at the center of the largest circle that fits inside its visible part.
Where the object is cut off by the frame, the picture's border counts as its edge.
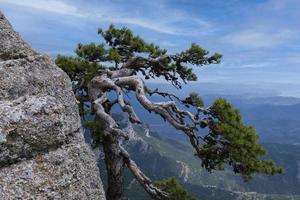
(259, 39)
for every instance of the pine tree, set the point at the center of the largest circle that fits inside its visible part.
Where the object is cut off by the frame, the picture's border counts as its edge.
(122, 64)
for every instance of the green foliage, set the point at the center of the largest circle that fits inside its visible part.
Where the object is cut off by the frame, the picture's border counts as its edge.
(79, 70)
(194, 100)
(230, 141)
(126, 44)
(91, 52)
(120, 45)
(196, 55)
(175, 190)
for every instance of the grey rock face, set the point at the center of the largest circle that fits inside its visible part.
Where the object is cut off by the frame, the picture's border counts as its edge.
(42, 149)
(12, 46)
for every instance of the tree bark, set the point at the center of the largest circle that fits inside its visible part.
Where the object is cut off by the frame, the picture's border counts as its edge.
(114, 165)
(116, 157)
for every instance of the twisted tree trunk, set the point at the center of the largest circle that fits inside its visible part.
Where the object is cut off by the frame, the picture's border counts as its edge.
(116, 157)
(114, 166)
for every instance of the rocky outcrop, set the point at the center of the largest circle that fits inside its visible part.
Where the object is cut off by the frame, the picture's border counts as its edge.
(42, 149)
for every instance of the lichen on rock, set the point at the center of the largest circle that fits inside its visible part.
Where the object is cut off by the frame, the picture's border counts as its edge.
(42, 149)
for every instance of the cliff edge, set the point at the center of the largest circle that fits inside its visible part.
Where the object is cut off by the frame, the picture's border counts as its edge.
(42, 150)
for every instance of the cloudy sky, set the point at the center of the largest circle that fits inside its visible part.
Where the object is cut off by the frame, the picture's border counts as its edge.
(259, 38)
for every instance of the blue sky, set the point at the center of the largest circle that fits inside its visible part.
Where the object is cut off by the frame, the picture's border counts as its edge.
(258, 38)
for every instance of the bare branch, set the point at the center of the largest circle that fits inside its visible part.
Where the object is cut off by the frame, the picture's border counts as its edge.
(146, 183)
(102, 84)
(164, 94)
(109, 123)
(177, 117)
(163, 109)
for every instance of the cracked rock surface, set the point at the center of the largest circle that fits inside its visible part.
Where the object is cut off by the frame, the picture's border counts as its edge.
(42, 150)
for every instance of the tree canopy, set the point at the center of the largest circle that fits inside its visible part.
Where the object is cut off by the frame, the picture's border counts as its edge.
(123, 63)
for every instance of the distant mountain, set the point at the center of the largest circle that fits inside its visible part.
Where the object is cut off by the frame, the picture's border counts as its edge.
(161, 158)
(288, 91)
(274, 123)
(277, 119)
(163, 152)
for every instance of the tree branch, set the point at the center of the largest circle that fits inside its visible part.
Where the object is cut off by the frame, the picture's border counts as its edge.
(146, 183)
(162, 109)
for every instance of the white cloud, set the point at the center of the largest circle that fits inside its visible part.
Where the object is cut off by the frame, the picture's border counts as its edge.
(161, 26)
(53, 6)
(258, 38)
(169, 22)
(144, 23)
(270, 24)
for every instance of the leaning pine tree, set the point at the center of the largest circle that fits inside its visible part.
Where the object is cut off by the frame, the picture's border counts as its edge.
(122, 64)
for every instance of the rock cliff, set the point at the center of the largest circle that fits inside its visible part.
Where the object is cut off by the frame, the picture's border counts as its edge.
(42, 149)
